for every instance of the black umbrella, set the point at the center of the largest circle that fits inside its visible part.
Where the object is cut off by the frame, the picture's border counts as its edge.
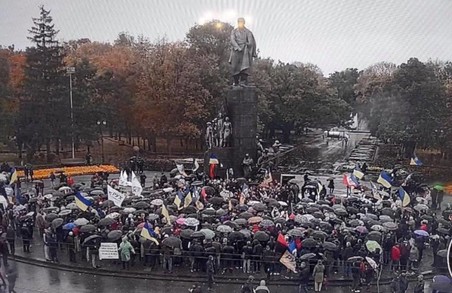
(189, 210)
(186, 233)
(319, 234)
(106, 222)
(259, 207)
(443, 231)
(141, 205)
(235, 236)
(114, 235)
(312, 210)
(245, 215)
(209, 190)
(307, 256)
(374, 235)
(388, 212)
(58, 222)
(198, 234)
(352, 210)
(90, 239)
(216, 200)
(88, 228)
(330, 246)
(221, 212)
(50, 217)
(231, 224)
(261, 236)
(309, 243)
(107, 203)
(241, 221)
(172, 242)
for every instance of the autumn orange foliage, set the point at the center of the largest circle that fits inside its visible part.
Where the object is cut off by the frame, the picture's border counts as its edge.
(72, 171)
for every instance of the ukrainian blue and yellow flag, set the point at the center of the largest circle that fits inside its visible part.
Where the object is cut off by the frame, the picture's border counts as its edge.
(385, 179)
(415, 161)
(178, 199)
(404, 197)
(81, 201)
(358, 173)
(188, 199)
(148, 233)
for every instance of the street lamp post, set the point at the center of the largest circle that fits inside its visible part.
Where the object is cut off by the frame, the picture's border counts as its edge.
(70, 71)
(100, 123)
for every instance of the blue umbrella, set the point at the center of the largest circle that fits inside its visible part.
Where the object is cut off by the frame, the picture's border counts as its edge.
(442, 283)
(421, 233)
(69, 226)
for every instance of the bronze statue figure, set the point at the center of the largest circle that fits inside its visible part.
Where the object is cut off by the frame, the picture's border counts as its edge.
(242, 52)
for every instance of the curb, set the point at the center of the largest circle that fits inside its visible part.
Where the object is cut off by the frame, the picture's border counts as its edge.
(221, 279)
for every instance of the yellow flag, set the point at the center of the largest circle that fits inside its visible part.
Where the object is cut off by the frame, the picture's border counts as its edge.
(188, 200)
(165, 213)
(230, 205)
(177, 202)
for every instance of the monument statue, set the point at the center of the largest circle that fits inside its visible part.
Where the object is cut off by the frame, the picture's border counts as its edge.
(242, 52)
(227, 131)
(247, 166)
(209, 135)
(220, 123)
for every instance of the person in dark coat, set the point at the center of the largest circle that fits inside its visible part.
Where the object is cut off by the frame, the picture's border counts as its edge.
(11, 276)
(305, 273)
(210, 268)
(248, 286)
(11, 238)
(26, 237)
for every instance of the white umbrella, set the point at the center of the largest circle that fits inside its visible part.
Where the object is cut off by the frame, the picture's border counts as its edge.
(81, 222)
(372, 263)
(113, 215)
(129, 210)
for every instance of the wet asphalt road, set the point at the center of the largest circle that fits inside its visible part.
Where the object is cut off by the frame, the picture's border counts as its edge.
(33, 279)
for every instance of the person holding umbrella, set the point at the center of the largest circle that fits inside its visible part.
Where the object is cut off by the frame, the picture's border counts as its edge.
(125, 249)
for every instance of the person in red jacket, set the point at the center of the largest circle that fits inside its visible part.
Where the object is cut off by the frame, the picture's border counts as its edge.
(395, 257)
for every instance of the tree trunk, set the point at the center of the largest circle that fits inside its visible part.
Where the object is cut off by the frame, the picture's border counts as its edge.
(48, 150)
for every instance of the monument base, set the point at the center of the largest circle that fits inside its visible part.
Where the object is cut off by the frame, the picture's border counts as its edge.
(241, 108)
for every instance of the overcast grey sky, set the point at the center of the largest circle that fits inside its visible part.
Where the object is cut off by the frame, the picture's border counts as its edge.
(332, 34)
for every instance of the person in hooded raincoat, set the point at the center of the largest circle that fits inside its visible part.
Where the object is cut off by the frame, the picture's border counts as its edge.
(125, 249)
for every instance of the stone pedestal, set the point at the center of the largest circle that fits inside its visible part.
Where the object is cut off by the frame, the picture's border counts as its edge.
(241, 108)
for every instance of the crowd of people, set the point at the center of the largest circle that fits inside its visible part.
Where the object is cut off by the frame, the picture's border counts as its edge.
(235, 226)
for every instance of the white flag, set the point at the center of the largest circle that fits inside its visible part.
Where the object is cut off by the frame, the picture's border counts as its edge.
(136, 187)
(122, 178)
(288, 260)
(115, 196)
(181, 169)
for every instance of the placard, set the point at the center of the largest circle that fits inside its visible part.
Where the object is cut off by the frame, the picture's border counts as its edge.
(108, 251)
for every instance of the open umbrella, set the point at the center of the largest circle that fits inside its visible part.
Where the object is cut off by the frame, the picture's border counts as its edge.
(385, 218)
(245, 232)
(295, 233)
(421, 233)
(330, 246)
(245, 215)
(442, 283)
(261, 236)
(172, 241)
(69, 226)
(64, 213)
(307, 256)
(372, 246)
(91, 239)
(354, 258)
(191, 222)
(266, 223)
(106, 222)
(421, 207)
(361, 229)
(241, 221)
(254, 220)
(88, 229)
(388, 212)
(81, 222)
(371, 262)
(378, 228)
(50, 217)
(442, 253)
(443, 231)
(209, 234)
(224, 229)
(309, 243)
(391, 226)
(259, 207)
(114, 235)
(221, 212)
(233, 225)
(129, 210)
(235, 236)
(58, 222)
(375, 236)
(356, 223)
(157, 202)
(186, 233)
(216, 200)
(319, 234)
(113, 215)
(72, 206)
(153, 217)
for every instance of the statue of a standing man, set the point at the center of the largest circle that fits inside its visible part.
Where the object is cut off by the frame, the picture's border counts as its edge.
(242, 52)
